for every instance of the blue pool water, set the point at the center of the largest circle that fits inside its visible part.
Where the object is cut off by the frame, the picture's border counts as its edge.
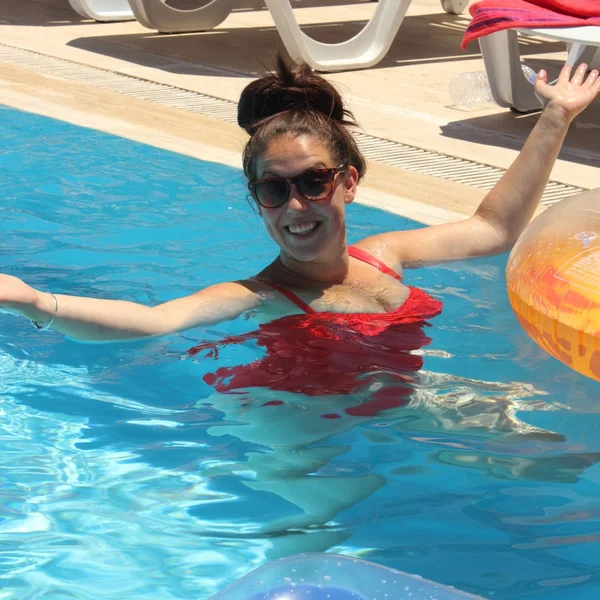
(124, 476)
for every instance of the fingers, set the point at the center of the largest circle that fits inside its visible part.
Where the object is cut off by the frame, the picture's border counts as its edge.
(595, 86)
(542, 76)
(565, 74)
(541, 81)
(592, 79)
(579, 74)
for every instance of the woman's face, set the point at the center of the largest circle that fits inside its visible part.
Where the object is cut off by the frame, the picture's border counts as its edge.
(306, 230)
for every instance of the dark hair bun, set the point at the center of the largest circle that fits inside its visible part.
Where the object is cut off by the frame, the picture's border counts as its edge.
(297, 88)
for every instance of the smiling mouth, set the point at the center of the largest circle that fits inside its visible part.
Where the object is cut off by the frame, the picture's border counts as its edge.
(301, 229)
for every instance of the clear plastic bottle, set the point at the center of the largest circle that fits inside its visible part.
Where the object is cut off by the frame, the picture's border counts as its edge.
(529, 73)
(469, 90)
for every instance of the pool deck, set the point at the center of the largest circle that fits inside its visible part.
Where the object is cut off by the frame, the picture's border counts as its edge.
(404, 98)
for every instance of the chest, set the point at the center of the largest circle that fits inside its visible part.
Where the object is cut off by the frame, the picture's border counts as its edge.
(375, 296)
(358, 297)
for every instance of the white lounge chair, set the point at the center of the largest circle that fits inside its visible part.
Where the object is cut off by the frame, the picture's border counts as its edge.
(500, 51)
(155, 14)
(103, 10)
(364, 50)
(139, 12)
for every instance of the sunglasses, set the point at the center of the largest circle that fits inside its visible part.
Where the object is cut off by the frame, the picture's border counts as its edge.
(316, 184)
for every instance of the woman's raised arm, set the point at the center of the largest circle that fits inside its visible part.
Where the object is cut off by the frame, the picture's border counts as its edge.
(509, 206)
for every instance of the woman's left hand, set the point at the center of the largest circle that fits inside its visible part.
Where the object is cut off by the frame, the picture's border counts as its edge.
(573, 94)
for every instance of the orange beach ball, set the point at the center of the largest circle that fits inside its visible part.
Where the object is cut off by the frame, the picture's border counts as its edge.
(553, 280)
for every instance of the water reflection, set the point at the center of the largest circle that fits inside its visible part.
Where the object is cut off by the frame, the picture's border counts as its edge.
(301, 457)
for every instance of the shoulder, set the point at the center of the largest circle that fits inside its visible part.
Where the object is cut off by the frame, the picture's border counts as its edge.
(262, 301)
(253, 292)
(249, 289)
(377, 247)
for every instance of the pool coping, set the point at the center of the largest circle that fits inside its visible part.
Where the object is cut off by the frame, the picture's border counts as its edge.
(378, 149)
(406, 193)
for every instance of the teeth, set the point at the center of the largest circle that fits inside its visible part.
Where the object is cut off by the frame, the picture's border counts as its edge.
(302, 228)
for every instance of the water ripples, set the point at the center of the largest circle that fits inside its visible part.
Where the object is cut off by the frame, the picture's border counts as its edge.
(123, 476)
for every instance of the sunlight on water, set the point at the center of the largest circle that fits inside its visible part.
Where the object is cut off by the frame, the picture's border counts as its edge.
(134, 515)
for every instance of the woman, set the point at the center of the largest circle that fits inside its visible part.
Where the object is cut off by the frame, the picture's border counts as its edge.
(337, 324)
(303, 167)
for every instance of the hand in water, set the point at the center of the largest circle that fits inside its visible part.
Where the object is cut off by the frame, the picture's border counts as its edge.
(572, 93)
(16, 294)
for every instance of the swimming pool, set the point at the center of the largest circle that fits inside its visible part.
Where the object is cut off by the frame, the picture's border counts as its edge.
(124, 476)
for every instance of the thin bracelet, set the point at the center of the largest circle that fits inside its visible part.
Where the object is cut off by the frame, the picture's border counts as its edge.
(51, 322)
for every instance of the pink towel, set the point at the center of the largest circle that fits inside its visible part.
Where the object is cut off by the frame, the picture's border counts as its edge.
(490, 16)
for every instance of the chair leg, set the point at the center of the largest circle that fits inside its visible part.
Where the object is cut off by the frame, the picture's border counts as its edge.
(103, 10)
(502, 60)
(580, 53)
(139, 12)
(168, 19)
(454, 7)
(595, 62)
(76, 6)
(364, 50)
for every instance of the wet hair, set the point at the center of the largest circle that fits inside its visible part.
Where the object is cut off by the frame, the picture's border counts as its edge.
(296, 101)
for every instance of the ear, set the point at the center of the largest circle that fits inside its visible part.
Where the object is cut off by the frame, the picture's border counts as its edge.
(350, 183)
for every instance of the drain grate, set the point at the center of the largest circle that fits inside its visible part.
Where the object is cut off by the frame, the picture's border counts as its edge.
(374, 148)
(142, 89)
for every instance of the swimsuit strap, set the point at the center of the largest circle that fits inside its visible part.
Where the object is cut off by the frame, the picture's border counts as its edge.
(290, 296)
(352, 251)
(371, 260)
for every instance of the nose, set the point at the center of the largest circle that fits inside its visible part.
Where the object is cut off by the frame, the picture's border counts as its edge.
(296, 200)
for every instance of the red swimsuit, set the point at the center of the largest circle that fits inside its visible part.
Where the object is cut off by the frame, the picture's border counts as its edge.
(320, 353)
